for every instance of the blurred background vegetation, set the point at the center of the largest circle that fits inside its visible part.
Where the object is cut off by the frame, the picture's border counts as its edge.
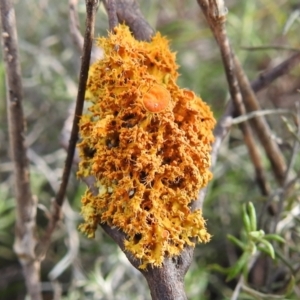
(80, 268)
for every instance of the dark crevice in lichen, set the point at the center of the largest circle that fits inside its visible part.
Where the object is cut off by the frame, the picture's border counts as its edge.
(137, 238)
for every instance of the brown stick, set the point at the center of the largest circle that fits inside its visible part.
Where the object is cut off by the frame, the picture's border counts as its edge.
(112, 14)
(215, 12)
(263, 81)
(74, 25)
(224, 124)
(267, 78)
(26, 206)
(91, 8)
(260, 125)
(129, 12)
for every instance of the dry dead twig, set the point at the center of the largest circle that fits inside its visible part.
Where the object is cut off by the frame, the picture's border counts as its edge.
(268, 77)
(263, 81)
(74, 25)
(215, 14)
(91, 8)
(260, 125)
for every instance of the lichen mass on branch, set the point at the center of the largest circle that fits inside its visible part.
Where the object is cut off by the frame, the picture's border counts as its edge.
(147, 142)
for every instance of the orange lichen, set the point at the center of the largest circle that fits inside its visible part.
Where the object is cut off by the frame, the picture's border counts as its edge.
(147, 143)
(156, 99)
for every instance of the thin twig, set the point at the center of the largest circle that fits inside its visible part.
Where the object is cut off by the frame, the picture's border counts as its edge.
(69, 216)
(287, 176)
(74, 25)
(26, 206)
(112, 14)
(264, 80)
(260, 125)
(215, 13)
(268, 77)
(259, 113)
(261, 296)
(91, 8)
(271, 47)
(97, 52)
(221, 130)
(237, 289)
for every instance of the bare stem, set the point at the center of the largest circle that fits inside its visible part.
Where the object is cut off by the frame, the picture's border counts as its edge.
(268, 77)
(91, 8)
(215, 13)
(263, 81)
(26, 206)
(128, 11)
(291, 165)
(112, 14)
(260, 125)
(166, 282)
(74, 25)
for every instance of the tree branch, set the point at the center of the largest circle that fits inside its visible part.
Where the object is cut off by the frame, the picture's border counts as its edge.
(215, 14)
(267, 78)
(74, 25)
(26, 206)
(91, 8)
(112, 14)
(264, 80)
(260, 125)
(165, 283)
(129, 12)
(76, 35)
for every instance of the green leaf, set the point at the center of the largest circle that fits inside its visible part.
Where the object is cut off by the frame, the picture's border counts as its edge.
(218, 268)
(274, 237)
(236, 241)
(252, 216)
(246, 219)
(267, 248)
(238, 267)
(290, 287)
(252, 247)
